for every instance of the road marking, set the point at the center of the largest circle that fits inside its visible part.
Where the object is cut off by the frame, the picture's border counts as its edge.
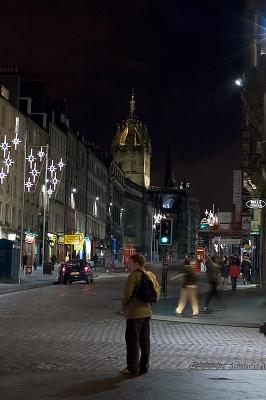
(176, 276)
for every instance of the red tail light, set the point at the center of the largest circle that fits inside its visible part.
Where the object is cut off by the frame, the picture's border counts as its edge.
(86, 269)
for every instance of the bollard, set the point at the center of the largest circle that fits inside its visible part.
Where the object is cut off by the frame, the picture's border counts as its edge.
(164, 280)
(263, 328)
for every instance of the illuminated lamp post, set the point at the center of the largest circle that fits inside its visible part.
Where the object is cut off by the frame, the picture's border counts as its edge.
(36, 159)
(156, 220)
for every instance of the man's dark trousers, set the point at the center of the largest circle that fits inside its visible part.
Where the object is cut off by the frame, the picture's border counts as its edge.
(138, 337)
(212, 292)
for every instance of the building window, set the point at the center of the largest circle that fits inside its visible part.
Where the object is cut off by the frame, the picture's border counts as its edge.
(19, 218)
(7, 215)
(17, 126)
(13, 217)
(3, 121)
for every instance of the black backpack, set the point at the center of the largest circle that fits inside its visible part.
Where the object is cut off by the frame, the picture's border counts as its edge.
(145, 291)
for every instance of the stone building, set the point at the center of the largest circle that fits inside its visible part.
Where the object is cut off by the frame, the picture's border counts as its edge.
(176, 201)
(252, 88)
(12, 125)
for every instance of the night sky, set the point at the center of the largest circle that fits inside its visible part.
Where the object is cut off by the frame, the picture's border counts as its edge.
(180, 56)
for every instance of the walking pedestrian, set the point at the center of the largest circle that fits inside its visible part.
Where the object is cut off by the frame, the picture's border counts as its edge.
(224, 270)
(234, 271)
(25, 260)
(95, 261)
(188, 291)
(35, 262)
(53, 260)
(213, 272)
(246, 268)
(186, 262)
(138, 315)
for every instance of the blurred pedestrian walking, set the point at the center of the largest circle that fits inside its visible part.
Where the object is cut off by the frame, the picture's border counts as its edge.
(25, 260)
(188, 291)
(234, 271)
(224, 271)
(246, 268)
(213, 272)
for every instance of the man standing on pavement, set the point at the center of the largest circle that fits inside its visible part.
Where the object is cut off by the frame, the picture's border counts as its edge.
(138, 315)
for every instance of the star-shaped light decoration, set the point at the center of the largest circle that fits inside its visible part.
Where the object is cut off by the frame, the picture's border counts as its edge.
(16, 141)
(30, 158)
(4, 146)
(61, 165)
(8, 162)
(2, 175)
(41, 154)
(50, 192)
(34, 172)
(54, 181)
(206, 212)
(28, 184)
(52, 168)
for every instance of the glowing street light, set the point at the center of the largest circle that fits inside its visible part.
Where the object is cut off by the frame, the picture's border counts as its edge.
(239, 82)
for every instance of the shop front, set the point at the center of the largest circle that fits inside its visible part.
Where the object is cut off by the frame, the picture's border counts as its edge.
(60, 248)
(87, 248)
(52, 250)
(30, 247)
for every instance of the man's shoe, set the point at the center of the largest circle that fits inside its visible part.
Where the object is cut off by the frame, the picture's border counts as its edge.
(126, 371)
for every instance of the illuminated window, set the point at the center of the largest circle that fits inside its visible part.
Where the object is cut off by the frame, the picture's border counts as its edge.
(17, 125)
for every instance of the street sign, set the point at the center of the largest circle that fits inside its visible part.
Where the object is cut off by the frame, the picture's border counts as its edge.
(255, 203)
(72, 239)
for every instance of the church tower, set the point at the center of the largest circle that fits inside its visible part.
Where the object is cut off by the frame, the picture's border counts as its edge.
(131, 147)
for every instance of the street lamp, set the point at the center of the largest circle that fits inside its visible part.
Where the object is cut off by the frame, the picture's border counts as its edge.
(239, 82)
(33, 165)
(155, 221)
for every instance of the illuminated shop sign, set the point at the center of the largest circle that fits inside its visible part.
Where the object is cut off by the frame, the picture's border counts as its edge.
(255, 203)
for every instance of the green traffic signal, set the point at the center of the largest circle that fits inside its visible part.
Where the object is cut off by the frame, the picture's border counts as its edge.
(166, 230)
(203, 226)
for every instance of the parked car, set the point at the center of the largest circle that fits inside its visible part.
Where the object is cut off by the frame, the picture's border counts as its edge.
(75, 270)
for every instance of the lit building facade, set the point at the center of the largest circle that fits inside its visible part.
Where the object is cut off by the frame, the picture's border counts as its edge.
(12, 124)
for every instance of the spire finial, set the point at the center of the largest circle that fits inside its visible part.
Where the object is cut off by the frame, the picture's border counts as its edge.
(132, 103)
(169, 179)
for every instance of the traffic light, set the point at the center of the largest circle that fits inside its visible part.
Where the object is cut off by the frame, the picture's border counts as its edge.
(166, 230)
(203, 226)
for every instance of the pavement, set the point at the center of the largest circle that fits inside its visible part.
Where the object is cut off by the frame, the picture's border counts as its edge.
(157, 385)
(246, 307)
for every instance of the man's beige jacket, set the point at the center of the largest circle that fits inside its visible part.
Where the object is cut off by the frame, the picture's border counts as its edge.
(132, 307)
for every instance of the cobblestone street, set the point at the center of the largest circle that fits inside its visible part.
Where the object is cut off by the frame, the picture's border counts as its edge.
(61, 328)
